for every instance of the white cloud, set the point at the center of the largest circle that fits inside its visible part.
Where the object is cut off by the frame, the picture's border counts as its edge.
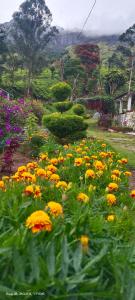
(108, 16)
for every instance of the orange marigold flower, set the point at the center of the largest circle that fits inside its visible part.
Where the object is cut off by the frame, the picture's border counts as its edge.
(127, 173)
(39, 221)
(2, 185)
(32, 165)
(94, 157)
(70, 155)
(22, 169)
(41, 173)
(111, 218)
(132, 194)
(61, 159)
(84, 239)
(111, 199)
(62, 184)
(29, 190)
(43, 157)
(55, 208)
(78, 162)
(54, 178)
(37, 192)
(51, 168)
(103, 145)
(86, 158)
(54, 161)
(83, 198)
(113, 186)
(103, 154)
(99, 165)
(90, 174)
(28, 176)
(116, 173)
(124, 161)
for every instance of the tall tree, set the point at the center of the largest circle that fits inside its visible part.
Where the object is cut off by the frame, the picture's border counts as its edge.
(31, 33)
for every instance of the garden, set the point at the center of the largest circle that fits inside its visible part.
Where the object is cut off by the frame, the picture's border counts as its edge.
(67, 187)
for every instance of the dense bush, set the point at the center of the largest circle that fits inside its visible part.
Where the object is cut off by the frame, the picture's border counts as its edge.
(78, 109)
(36, 142)
(61, 91)
(63, 106)
(64, 125)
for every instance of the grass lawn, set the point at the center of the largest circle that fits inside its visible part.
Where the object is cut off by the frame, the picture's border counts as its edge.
(123, 143)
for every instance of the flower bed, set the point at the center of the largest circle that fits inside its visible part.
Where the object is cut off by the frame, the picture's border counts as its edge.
(67, 224)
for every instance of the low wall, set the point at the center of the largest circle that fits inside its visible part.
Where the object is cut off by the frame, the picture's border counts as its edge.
(127, 119)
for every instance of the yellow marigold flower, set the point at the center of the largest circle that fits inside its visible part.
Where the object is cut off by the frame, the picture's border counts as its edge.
(83, 198)
(78, 150)
(62, 184)
(54, 178)
(132, 194)
(69, 155)
(28, 176)
(41, 173)
(78, 162)
(84, 239)
(54, 161)
(16, 177)
(103, 154)
(86, 158)
(32, 165)
(90, 174)
(115, 178)
(2, 185)
(111, 199)
(37, 192)
(55, 208)
(43, 157)
(22, 169)
(66, 147)
(110, 154)
(113, 186)
(99, 165)
(86, 148)
(39, 221)
(116, 173)
(51, 168)
(61, 159)
(127, 173)
(103, 145)
(91, 188)
(29, 190)
(124, 161)
(111, 218)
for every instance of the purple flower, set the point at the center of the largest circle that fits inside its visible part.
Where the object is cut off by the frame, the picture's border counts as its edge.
(8, 141)
(1, 132)
(8, 127)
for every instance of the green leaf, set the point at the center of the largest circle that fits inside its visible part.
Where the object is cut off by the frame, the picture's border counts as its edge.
(51, 259)
(77, 258)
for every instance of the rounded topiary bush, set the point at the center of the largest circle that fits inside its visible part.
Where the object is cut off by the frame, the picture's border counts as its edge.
(79, 109)
(63, 106)
(61, 91)
(63, 126)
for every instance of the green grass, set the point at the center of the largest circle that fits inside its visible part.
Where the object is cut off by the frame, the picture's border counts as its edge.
(123, 143)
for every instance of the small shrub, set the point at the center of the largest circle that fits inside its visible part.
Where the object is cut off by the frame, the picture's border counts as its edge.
(36, 142)
(61, 91)
(31, 125)
(79, 109)
(63, 126)
(38, 109)
(63, 106)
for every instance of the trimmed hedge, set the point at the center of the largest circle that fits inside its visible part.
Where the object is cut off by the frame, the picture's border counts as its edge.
(79, 109)
(61, 91)
(63, 126)
(63, 106)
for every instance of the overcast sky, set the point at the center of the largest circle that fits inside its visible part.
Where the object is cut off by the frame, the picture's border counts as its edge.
(109, 16)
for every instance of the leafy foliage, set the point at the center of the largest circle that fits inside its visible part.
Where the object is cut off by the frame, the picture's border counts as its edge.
(61, 91)
(63, 106)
